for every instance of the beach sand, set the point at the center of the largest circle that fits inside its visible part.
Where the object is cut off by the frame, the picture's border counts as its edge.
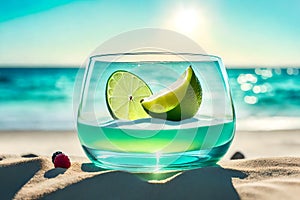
(271, 170)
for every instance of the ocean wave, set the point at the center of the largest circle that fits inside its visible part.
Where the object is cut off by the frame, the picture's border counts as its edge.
(268, 123)
(33, 98)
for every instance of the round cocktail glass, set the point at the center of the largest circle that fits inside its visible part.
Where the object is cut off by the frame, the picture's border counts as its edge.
(149, 142)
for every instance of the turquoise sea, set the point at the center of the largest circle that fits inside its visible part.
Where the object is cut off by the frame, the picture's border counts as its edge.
(42, 98)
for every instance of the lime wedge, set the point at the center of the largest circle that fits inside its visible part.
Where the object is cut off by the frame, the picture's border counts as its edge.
(179, 101)
(124, 91)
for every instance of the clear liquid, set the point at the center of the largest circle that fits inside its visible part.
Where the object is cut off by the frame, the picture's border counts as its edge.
(160, 143)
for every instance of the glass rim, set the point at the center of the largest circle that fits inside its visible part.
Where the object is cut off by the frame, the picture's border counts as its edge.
(154, 53)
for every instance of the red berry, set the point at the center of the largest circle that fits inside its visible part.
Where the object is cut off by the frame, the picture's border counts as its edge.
(61, 160)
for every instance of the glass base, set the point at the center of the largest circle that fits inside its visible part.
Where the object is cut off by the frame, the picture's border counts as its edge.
(145, 162)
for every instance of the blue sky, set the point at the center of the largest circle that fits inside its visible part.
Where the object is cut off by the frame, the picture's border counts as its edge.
(64, 32)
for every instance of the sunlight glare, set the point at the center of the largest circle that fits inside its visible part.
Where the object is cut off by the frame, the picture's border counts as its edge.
(187, 20)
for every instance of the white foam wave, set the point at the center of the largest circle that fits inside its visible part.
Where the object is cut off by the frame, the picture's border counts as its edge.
(268, 123)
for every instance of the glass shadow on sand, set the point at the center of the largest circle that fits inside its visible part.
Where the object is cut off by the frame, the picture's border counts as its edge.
(205, 183)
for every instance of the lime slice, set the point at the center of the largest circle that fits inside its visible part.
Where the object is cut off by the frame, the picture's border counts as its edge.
(179, 101)
(124, 91)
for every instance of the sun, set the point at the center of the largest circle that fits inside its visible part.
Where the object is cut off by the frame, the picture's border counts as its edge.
(187, 20)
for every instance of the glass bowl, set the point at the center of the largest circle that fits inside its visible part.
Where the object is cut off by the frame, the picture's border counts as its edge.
(155, 111)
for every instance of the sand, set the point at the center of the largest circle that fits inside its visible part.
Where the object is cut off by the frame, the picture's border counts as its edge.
(35, 178)
(271, 170)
